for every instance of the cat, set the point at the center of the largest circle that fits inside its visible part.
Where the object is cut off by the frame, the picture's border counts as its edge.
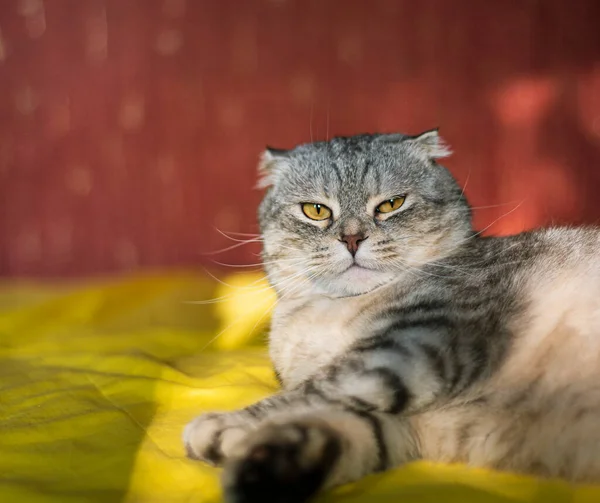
(401, 334)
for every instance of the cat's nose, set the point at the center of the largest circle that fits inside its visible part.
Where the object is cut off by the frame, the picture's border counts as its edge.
(353, 241)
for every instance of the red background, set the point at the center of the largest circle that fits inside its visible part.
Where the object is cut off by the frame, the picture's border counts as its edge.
(130, 129)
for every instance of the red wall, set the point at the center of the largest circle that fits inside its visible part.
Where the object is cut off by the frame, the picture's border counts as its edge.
(130, 129)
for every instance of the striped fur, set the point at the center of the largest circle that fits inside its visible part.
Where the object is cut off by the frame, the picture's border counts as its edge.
(442, 345)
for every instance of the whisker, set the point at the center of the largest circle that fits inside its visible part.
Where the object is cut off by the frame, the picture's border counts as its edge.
(232, 247)
(207, 302)
(246, 287)
(233, 233)
(221, 282)
(492, 205)
(462, 192)
(259, 264)
(438, 264)
(286, 293)
(229, 297)
(499, 218)
(408, 268)
(269, 309)
(285, 281)
(224, 234)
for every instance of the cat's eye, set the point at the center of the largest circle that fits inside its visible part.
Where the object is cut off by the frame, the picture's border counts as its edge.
(316, 211)
(390, 205)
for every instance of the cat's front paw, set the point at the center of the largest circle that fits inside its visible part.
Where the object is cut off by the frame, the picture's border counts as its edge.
(287, 463)
(211, 437)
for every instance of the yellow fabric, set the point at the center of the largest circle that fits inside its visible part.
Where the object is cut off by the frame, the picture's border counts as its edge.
(97, 382)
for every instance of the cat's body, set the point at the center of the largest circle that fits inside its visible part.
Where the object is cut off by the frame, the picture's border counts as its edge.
(402, 334)
(543, 380)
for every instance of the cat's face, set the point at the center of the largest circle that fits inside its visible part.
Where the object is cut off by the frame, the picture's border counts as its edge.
(343, 217)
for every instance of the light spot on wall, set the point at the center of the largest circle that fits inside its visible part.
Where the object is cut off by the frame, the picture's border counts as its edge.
(302, 88)
(524, 101)
(133, 111)
(126, 254)
(28, 8)
(79, 180)
(26, 100)
(549, 177)
(35, 17)
(3, 51)
(169, 42)
(96, 43)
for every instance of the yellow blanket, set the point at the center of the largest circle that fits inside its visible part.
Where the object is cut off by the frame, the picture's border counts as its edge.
(97, 382)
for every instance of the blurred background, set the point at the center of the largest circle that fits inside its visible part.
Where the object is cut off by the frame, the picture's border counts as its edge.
(130, 129)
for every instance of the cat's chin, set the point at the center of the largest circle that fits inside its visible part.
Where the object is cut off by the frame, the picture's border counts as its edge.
(355, 280)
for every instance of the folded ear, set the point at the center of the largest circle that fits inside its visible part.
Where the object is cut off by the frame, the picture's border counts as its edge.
(430, 145)
(269, 161)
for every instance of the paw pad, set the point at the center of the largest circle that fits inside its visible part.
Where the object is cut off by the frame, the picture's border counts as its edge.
(282, 463)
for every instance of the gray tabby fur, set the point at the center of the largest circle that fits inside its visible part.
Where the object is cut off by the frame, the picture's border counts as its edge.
(431, 343)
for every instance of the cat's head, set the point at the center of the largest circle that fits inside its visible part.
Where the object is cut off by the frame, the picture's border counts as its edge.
(345, 216)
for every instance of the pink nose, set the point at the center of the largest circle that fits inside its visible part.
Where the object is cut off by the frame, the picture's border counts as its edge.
(352, 241)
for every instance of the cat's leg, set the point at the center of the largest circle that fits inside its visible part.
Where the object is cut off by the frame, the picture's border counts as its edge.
(294, 453)
(291, 457)
(379, 378)
(379, 375)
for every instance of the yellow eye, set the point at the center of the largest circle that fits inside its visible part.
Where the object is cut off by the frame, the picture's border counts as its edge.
(316, 211)
(390, 205)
